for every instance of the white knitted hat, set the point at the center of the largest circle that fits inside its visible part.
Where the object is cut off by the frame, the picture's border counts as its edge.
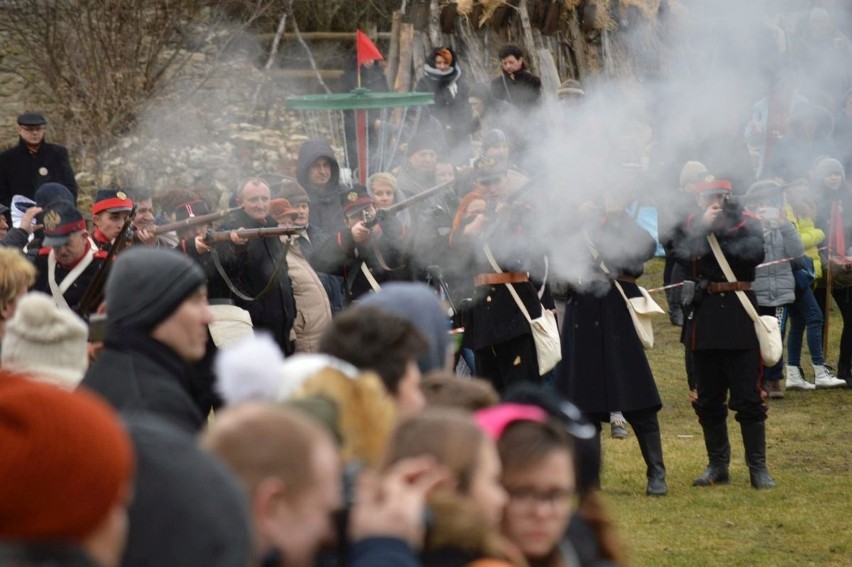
(46, 342)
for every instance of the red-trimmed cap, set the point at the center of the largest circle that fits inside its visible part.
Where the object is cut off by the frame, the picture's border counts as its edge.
(60, 221)
(111, 200)
(355, 199)
(194, 208)
(712, 186)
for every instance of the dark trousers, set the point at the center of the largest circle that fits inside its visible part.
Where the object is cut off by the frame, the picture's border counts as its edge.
(508, 363)
(723, 372)
(843, 299)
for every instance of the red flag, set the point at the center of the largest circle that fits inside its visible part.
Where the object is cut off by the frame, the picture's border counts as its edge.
(367, 50)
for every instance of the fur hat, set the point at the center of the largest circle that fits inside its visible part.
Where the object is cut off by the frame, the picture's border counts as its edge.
(46, 342)
(66, 461)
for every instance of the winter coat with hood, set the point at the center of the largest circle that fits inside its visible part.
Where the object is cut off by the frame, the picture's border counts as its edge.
(774, 285)
(326, 210)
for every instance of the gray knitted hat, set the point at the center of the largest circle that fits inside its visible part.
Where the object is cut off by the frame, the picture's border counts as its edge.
(146, 285)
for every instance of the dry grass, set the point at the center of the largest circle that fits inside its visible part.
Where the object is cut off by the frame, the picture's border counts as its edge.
(801, 522)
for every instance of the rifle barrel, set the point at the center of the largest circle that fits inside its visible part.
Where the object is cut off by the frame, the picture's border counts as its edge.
(194, 221)
(265, 232)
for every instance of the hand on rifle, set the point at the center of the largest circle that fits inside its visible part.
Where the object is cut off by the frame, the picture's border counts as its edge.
(200, 246)
(145, 237)
(360, 233)
(27, 220)
(236, 239)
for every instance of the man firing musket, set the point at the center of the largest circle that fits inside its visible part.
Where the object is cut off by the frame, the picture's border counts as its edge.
(249, 269)
(369, 251)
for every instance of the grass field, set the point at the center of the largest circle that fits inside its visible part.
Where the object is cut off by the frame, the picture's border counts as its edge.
(804, 521)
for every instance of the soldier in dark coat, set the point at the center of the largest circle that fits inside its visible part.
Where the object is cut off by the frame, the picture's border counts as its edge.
(251, 265)
(604, 368)
(364, 256)
(502, 340)
(720, 333)
(33, 162)
(66, 264)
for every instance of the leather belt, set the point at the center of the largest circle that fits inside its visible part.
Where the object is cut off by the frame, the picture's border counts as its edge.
(721, 287)
(495, 278)
(220, 301)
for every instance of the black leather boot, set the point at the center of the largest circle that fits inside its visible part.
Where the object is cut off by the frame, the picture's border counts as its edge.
(754, 441)
(718, 455)
(652, 451)
(675, 308)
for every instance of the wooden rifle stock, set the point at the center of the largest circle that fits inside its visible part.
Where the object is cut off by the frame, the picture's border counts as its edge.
(194, 221)
(94, 294)
(225, 235)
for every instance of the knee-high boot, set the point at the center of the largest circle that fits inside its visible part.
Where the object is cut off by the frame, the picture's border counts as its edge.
(754, 441)
(651, 446)
(718, 455)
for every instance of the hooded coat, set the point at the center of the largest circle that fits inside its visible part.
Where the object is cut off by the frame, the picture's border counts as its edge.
(326, 210)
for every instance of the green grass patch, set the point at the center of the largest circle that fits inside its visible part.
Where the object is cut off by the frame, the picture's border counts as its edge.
(804, 521)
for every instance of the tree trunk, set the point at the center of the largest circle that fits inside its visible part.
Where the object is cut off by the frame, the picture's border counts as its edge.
(393, 53)
(406, 47)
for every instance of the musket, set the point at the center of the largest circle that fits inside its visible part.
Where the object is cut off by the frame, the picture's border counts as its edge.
(193, 221)
(213, 237)
(94, 294)
(402, 205)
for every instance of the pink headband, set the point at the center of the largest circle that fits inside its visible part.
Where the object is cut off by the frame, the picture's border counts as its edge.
(495, 420)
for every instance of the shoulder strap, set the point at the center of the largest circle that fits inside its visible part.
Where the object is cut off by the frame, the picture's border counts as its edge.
(509, 286)
(282, 261)
(726, 268)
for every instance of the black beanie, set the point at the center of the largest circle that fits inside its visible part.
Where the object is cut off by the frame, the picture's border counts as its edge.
(146, 285)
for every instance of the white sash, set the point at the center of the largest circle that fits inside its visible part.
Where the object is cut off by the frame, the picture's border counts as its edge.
(58, 290)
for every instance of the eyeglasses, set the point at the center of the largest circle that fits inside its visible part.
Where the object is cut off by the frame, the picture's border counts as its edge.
(528, 498)
(32, 128)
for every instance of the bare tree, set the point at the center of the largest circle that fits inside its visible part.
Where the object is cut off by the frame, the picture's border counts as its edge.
(99, 60)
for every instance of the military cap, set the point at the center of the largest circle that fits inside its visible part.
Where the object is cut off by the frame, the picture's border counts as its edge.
(355, 199)
(111, 199)
(31, 119)
(712, 186)
(194, 208)
(489, 169)
(61, 220)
